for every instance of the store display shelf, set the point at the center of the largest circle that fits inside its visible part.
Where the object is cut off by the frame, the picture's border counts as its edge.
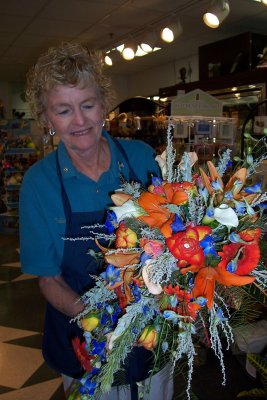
(12, 205)
(19, 151)
(13, 187)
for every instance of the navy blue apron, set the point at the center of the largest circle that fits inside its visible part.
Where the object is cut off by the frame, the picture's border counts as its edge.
(76, 267)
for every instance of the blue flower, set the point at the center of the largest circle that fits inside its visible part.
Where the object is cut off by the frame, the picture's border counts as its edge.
(111, 222)
(263, 205)
(210, 212)
(173, 301)
(171, 316)
(234, 237)
(136, 293)
(202, 301)
(177, 225)
(240, 207)
(156, 181)
(203, 191)
(249, 209)
(145, 257)
(208, 245)
(109, 309)
(111, 275)
(145, 310)
(216, 185)
(229, 196)
(220, 316)
(88, 387)
(232, 266)
(256, 188)
(98, 348)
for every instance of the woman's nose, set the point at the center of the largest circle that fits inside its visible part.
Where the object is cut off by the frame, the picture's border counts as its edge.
(78, 117)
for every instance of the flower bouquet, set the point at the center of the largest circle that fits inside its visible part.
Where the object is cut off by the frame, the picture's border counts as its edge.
(182, 264)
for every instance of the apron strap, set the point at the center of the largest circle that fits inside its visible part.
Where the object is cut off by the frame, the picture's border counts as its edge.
(132, 174)
(65, 199)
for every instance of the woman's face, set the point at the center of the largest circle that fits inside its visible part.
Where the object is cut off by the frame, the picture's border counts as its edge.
(76, 114)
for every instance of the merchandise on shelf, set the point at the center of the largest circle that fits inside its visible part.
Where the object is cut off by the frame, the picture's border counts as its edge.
(17, 153)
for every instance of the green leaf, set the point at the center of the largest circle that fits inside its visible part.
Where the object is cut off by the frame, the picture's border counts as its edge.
(257, 393)
(258, 362)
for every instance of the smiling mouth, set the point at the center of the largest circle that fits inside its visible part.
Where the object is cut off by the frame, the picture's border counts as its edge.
(80, 133)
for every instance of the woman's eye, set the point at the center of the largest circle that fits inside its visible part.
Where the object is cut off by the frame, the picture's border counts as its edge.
(62, 112)
(88, 106)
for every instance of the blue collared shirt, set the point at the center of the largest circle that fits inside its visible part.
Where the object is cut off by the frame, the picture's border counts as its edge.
(42, 219)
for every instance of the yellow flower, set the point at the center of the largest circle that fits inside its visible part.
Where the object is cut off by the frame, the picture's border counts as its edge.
(125, 237)
(149, 337)
(90, 322)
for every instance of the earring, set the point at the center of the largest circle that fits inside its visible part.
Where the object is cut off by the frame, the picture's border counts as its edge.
(51, 132)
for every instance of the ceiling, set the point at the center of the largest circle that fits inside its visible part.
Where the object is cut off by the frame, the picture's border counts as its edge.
(28, 27)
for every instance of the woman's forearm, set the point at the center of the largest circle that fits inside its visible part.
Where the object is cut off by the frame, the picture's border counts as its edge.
(59, 294)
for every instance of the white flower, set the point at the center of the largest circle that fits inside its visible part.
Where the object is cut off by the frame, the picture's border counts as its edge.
(111, 337)
(127, 209)
(225, 215)
(162, 161)
(153, 288)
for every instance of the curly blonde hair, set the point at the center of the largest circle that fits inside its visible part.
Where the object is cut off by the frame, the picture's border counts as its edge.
(67, 64)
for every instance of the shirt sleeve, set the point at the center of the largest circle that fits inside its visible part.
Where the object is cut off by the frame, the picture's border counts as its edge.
(38, 253)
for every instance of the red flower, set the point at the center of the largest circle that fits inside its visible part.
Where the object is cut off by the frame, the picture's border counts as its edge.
(81, 354)
(185, 305)
(185, 245)
(248, 257)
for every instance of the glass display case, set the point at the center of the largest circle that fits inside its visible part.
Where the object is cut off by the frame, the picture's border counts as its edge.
(247, 105)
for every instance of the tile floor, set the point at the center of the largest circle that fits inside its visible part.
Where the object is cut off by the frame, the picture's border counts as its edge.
(23, 373)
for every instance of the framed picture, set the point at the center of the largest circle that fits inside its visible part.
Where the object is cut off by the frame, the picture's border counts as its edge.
(203, 128)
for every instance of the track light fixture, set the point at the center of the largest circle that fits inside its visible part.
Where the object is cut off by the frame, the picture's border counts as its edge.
(218, 11)
(171, 31)
(149, 41)
(111, 57)
(128, 53)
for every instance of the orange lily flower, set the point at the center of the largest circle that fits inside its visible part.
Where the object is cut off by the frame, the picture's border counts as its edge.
(207, 277)
(239, 175)
(120, 260)
(155, 205)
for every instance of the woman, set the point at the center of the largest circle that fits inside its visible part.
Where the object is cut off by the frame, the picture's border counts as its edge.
(69, 94)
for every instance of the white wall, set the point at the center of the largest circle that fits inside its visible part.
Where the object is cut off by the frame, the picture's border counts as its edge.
(147, 83)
